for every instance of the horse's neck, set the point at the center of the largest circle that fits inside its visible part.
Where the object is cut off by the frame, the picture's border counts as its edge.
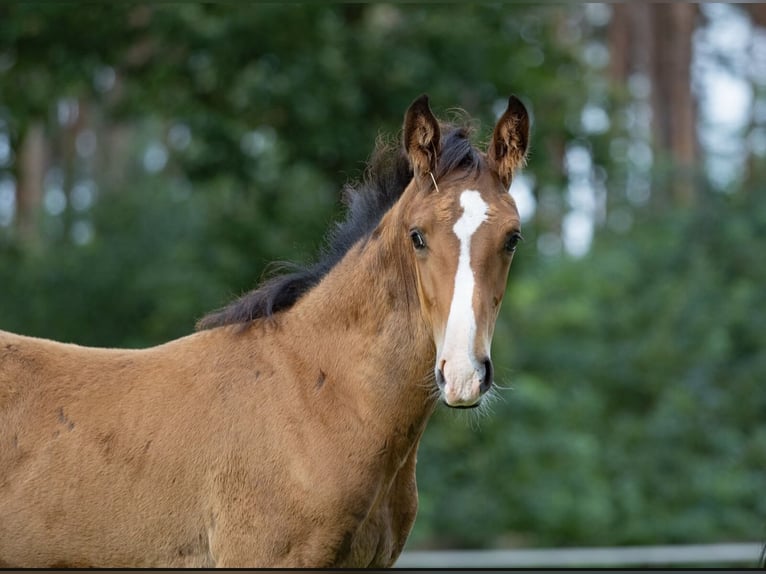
(363, 328)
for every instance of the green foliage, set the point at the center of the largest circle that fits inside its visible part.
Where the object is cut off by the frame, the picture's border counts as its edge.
(140, 281)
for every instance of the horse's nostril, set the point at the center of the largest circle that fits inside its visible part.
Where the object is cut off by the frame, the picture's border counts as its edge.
(486, 381)
(440, 375)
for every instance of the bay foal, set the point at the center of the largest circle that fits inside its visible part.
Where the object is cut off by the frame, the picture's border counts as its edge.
(285, 431)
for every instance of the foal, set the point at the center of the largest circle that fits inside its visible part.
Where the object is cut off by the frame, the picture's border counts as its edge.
(285, 431)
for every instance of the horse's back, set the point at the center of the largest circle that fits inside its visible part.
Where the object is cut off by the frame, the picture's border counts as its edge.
(20, 359)
(41, 375)
(87, 456)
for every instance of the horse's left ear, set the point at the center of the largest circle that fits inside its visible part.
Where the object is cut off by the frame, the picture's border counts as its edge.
(422, 138)
(508, 149)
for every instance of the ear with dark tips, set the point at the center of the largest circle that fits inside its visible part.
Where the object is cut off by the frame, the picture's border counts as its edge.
(508, 148)
(422, 139)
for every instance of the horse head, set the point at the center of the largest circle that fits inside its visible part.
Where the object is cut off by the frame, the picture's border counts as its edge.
(462, 227)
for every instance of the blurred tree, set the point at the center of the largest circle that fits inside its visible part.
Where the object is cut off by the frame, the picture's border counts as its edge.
(756, 73)
(655, 42)
(30, 177)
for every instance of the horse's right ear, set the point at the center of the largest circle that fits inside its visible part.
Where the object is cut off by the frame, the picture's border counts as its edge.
(422, 140)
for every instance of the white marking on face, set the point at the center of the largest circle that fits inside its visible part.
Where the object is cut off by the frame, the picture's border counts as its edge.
(462, 372)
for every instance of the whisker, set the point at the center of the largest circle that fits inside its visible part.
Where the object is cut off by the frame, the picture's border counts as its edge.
(502, 387)
(487, 403)
(428, 382)
(504, 384)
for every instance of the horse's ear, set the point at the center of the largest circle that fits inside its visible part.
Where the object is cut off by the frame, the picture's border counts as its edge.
(422, 139)
(508, 148)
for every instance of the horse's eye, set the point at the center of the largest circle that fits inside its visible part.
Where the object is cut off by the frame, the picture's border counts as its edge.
(512, 241)
(418, 240)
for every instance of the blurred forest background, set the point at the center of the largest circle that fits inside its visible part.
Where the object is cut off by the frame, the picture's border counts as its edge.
(154, 159)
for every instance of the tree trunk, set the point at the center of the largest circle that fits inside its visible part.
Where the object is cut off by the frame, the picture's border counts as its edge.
(757, 13)
(29, 188)
(754, 168)
(655, 40)
(673, 104)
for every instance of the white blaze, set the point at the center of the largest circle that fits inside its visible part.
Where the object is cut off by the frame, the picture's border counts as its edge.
(462, 372)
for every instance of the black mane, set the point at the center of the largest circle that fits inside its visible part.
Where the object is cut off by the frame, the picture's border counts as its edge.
(387, 175)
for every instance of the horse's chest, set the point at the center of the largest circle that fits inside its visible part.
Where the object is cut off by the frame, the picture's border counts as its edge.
(378, 540)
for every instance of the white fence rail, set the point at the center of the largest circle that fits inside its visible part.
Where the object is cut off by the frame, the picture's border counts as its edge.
(744, 554)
